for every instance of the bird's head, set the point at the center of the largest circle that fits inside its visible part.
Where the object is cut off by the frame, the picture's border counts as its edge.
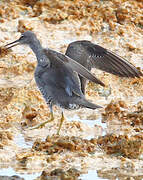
(26, 38)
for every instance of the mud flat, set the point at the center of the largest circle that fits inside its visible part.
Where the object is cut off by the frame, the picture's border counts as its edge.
(103, 144)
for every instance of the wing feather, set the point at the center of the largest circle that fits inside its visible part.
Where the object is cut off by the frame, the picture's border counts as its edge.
(70, 63)
(101, 58)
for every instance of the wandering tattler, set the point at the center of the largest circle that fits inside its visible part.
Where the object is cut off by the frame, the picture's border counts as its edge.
(56, 77)
(91, 56)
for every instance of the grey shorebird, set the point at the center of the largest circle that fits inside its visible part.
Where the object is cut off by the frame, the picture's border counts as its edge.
(91, 56)
(56, 76)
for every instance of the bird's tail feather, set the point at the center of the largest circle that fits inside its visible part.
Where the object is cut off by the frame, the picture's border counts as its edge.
(87, 104)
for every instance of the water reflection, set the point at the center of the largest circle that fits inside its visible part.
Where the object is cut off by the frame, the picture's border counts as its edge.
(95, 124)
(118, 174)
(11, 172)
(20, 141)
(91, 175)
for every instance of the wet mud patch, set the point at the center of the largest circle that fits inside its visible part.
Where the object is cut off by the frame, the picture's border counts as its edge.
(122, 145)
(5, 137)
(71, 174)
(130, 118)
(56, 144)
(122, 173)
(4, 51)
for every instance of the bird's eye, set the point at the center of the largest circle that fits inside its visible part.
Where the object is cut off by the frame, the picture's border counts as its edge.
(21, 37)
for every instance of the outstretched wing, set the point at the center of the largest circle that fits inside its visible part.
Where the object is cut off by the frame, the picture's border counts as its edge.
(102, 59)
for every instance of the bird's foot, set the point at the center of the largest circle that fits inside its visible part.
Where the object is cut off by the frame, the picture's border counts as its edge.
(41, 125)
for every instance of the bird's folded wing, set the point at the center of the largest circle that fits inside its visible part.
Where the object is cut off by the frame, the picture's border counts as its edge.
(74, 66)
(61, 76)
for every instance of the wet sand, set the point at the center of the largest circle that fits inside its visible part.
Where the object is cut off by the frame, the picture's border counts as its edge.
(105, 143)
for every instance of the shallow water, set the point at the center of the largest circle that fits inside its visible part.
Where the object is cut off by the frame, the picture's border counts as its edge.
(91, 123)
(21, 143)
(11, 172)
(91, 175)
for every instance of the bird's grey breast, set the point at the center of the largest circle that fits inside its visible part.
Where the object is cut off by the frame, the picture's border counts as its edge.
(41, 85)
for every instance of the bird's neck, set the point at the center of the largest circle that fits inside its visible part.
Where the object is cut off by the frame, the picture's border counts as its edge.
(38, 50)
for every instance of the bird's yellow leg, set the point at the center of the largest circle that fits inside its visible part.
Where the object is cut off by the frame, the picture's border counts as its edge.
(61, 122)
(41, 125)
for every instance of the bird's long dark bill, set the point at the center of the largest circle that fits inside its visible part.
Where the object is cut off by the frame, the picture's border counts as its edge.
(12, 44)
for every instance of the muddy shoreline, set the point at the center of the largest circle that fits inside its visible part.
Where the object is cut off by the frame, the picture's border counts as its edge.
(105, 143)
